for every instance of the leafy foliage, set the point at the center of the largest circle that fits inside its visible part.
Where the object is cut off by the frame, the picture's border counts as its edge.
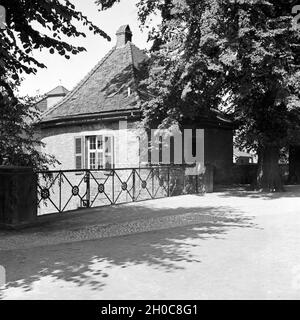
(264, 80)
(240, 56)
(20, 38)
(19, 140)
(31, 25)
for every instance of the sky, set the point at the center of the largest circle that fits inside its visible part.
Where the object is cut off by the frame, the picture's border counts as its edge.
(68, 73)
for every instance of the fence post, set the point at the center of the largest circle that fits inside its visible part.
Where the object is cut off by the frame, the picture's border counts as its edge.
(133, 185)
(88, 190)
(197, 183)
(209, 178)
(60, 182)
(168, 181)
(183, 171)
(152, 173)
(113, 186)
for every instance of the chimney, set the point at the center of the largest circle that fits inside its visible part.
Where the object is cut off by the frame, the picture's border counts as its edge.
(124, 35)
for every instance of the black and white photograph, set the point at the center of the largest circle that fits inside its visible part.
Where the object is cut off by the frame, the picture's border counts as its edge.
(149, 151)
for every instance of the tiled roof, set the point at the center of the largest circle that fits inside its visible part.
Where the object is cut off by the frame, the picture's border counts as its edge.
(105, 88)
(42, 105)
(240, 153)
(58, 91)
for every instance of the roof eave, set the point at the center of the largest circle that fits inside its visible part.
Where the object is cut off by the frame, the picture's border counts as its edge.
(129, 114)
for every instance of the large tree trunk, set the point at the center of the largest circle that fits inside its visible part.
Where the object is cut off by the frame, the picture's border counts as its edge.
(268, 175)
(294, 164)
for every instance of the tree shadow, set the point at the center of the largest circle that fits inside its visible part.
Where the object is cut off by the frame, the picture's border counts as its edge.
(87, 263)
(291, 191)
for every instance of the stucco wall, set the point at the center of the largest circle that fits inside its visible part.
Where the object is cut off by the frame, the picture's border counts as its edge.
(214, 146)
(60, 142)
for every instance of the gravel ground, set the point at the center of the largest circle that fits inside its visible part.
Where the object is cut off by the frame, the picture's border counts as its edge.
(227, 245)
(114, 221)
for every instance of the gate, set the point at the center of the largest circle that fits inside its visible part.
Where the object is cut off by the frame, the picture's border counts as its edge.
(67, 190)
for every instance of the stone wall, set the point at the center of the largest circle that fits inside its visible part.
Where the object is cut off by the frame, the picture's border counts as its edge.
(18, 196)
(246, 174)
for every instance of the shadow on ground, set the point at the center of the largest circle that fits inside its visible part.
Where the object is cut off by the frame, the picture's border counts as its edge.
(88, 263)
(245, 192)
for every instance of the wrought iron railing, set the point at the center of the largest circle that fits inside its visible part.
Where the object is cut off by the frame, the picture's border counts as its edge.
(60, 191)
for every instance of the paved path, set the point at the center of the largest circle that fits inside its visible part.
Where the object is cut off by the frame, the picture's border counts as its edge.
(230, 245)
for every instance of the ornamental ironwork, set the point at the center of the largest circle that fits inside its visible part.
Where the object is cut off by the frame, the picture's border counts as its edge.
(101, 188)
(124, 186)
(144, 184)
(75, 191)
(94, 188)
(45, 194)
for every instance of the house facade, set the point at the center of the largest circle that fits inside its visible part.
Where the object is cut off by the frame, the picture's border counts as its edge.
(96, 125)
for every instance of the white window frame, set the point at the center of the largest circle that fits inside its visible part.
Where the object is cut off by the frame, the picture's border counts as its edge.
(102, 151)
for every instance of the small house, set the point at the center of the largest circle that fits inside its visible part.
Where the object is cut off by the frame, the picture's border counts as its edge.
(96, 125)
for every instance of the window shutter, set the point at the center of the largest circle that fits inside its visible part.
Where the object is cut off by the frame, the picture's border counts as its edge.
(108, 151)
(79, 153)
(86, 153)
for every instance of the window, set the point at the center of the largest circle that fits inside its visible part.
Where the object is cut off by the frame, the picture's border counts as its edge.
(92, 152)
(100, 152)
(92, 143)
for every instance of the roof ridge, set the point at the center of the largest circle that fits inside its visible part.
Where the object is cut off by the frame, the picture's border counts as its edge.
(79, 84)
(58, 90)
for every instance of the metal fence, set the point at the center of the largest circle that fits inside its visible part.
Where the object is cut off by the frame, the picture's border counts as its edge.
(61, 191)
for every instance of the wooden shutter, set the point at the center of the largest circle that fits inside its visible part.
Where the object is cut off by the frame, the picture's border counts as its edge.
(86, 153)
(108, 154)
(79, 151)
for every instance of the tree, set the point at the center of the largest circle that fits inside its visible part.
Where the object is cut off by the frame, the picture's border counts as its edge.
(19, 143)
(265, 83)
(56, 21)
(240, 54)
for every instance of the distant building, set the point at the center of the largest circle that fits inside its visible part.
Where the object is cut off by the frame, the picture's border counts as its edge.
(242, 157)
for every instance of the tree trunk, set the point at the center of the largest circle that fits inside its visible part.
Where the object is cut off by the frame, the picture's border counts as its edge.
(294, 164)
(268, 175)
